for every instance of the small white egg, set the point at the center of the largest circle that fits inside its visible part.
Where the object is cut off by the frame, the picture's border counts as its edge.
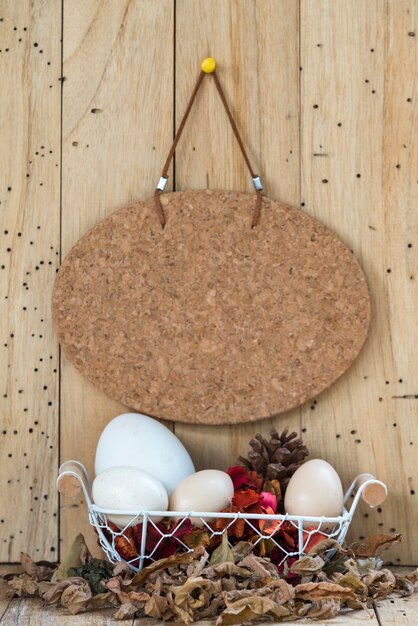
(315, 490)
(207, 490)
(128, 488)
(141, 441)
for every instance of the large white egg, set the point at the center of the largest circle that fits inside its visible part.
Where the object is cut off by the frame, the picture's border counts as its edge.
(128, 489)
(140, 441)
(315, 490)
(207, 490)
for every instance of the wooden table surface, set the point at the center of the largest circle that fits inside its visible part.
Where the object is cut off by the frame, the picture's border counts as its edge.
(31, 612)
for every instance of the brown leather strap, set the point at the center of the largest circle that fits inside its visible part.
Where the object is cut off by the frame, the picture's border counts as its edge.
(259, 198)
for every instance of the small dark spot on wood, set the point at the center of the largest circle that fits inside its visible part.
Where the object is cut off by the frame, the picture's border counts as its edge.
(325, 180)
(409, 245)
(35, 45)
(358, 175)
(411, 33)
(338, 436)
(96, 111)
(316, 106)
(389, 270)
(398, 166)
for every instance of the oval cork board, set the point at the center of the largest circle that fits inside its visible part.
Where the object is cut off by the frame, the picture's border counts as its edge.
(207, 320)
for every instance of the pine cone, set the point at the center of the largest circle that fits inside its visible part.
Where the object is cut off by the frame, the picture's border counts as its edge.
(276, 459)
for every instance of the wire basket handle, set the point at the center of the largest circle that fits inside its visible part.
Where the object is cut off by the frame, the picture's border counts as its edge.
(73, 479)
(372, 491)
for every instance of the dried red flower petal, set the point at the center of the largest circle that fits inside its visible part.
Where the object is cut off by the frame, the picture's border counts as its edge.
(125, 545)
(238, 475)
(244, 498)
(269, 526)
(268, 501)
(313, 539)
(242, 477)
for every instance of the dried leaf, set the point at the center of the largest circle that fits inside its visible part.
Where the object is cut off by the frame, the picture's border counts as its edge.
(52, 595)
(24, 585)
(371, 545)
(325, 609)
(250, 609)
(198, 537)
(226, 569)
(39, 572)
(354, 582)
(197, 567)
(324, 545)
(241, 550)
(179, 612)
(307, 565)
(156, 606)
(175, 559)
(405, 585)
(103, 601)
(75, 597)
(223, 553)
(323, 590)
(263, 568)
(77, 555)
(380, 584)
(125, 611)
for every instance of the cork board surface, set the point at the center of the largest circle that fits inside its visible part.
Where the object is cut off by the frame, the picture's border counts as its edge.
(207, 320)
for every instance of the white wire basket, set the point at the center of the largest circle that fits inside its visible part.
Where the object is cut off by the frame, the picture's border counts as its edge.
(143, 540)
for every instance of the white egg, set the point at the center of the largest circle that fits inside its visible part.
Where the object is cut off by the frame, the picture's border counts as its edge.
(315, 490)
(128, 489)
(141, 441)
(207, 490)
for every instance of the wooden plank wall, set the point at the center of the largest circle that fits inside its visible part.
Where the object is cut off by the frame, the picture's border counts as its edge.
(325, 93)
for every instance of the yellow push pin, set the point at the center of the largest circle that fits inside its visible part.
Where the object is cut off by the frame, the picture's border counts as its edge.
(208, 65)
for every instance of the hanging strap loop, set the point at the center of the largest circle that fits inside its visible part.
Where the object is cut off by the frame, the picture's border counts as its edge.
(207, 68)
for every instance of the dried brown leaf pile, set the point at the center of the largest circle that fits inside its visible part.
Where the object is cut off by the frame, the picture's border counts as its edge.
(233, 584)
